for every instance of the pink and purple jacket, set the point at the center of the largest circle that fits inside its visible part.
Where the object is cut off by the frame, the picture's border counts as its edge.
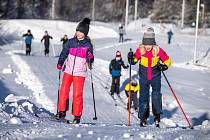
(76, 53)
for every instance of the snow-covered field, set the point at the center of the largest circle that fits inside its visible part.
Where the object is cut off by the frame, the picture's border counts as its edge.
(29, 85)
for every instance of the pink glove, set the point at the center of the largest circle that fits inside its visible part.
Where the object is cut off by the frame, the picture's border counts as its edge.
(90, 56)
(59, 67)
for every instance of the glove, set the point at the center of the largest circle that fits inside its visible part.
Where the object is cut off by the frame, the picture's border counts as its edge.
(59, 67)
(127, 66)
(90, 66)
(162, 67)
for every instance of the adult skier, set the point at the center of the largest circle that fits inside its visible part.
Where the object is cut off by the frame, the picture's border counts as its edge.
(134, 88)
(115, 70)
(121, 33)
(46, 39)
(64, 39)
(149, 55)
(28, 40)
(170, 34)
(78, 54)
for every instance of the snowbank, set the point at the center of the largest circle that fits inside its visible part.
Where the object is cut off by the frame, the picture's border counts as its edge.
(18, 109)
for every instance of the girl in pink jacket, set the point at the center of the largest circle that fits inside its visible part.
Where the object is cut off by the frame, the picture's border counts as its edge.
(78, 53)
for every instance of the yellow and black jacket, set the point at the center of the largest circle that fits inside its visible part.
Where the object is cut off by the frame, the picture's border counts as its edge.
(148, 61)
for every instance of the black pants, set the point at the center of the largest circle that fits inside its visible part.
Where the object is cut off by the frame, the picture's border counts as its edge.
(169, 40)
(46, 51)
(133, 101)
(115, 87)
(121, 39)
(28, 49)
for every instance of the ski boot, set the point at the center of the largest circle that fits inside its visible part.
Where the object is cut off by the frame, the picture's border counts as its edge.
(60, 115)
(76, 120)
(157, 120)
(143, 123)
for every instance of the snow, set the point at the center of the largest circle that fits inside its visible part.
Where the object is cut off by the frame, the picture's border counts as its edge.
(168, 122)
(57, 29)
(90, 132)
(29, 79)
(126, 135)
(7, 71)
(29, 85)
(12, 98)
(79, 135)
(15, 120)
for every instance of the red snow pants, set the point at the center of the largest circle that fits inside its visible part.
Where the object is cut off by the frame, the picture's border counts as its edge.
(77, 102)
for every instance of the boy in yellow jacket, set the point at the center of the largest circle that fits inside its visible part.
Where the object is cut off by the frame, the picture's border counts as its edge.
(134, 88)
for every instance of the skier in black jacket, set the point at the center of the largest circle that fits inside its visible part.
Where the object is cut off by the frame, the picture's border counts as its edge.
(64, 39)
(46, 39)
(115, 70)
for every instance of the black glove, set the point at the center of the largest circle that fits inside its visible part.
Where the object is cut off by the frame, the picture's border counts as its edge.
(130, 58)
(90, 66)
(162, 67)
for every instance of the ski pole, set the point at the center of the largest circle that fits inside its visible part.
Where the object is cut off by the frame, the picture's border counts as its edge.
(129, 97)
(94, 105)
(177, 101)
(59, 79)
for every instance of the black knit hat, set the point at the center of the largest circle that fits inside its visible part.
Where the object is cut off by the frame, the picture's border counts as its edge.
(83, 26)
(149, 37)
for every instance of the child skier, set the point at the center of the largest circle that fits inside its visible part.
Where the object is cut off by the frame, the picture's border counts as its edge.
(77, 52)
(149, 54)
(134, 88)
(115, 70)
(28, 40)
(46, 39)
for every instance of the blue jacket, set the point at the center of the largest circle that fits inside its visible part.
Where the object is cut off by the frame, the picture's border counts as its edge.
(28, 38)
(115, 67)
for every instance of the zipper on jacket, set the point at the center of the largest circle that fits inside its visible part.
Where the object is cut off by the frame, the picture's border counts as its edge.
(75, 59)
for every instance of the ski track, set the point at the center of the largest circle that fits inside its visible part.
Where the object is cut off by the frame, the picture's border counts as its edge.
(26, 77)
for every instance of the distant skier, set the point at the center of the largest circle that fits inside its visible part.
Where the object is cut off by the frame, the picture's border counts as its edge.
(64, 39)
(149, 54)
(115, 70)
(134, 88)
(78, 54)
(28, 40)
(170, 34)
(121, 33)
(46, 39)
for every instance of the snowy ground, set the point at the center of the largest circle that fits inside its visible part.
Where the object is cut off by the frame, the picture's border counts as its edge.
(28, 85)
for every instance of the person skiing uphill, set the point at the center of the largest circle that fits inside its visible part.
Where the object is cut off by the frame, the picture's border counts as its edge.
(149, 55)
(28, 40)
(170, 34)
(121, 33)
(134, 88)
(64, 39)
(115, 70)
(78, 54)
(46, 39)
